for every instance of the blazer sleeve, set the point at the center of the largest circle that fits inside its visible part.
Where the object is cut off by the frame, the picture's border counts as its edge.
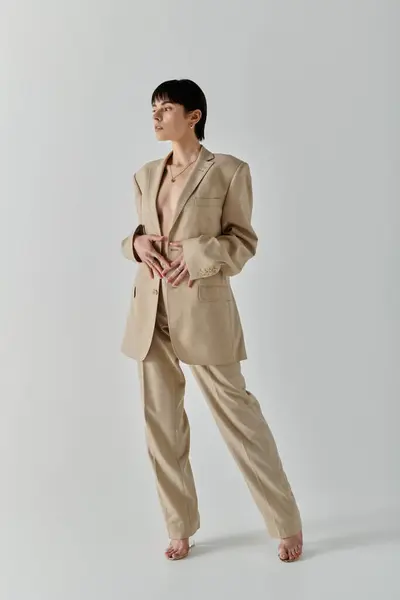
(127, 243)
(206, 255)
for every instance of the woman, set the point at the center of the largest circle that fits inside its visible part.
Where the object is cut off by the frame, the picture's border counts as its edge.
(194, 209)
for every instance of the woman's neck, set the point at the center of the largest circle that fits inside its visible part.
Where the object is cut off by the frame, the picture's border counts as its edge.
(184, 152)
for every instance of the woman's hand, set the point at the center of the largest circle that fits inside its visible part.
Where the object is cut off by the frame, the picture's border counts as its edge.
(154, 261)
(177, 270)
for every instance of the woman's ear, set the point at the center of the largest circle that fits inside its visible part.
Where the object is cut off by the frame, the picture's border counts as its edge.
(195, 117)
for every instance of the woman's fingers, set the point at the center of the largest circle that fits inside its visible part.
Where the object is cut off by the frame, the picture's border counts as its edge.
(150, 270)
(162, 261)
(174, 269)
(182, 277)
(170, 268)
(154, 264)
(178, 276)
(175, 279)
(157, 261)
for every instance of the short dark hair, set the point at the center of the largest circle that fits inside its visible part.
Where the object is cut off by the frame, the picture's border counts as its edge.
(188, 94)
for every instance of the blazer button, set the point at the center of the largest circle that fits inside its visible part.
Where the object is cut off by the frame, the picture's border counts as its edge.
(155, 291)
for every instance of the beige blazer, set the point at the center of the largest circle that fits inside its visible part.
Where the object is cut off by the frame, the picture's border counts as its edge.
(213, 220)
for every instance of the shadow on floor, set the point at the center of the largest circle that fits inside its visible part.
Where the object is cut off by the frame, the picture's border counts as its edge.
(320, 537)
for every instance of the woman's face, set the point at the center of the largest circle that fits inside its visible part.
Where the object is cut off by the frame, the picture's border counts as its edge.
(170, 121)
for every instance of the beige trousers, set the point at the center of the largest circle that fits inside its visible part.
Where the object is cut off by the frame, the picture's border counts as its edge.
(240, 420)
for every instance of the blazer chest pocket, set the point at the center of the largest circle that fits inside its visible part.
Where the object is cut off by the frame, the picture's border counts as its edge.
(209, 201)
(213, 293)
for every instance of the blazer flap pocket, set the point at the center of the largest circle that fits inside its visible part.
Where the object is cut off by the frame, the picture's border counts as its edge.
(212, 293)
(210, 201)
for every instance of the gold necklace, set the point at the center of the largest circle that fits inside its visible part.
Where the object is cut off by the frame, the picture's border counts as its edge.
(173, 179)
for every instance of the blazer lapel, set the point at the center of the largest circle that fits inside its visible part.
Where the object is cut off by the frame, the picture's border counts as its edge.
(155, 176)
(205, 161)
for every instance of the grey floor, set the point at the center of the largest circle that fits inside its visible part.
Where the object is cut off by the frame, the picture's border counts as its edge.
(348, 558)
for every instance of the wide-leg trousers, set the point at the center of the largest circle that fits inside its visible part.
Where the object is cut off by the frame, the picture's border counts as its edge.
(240, 420)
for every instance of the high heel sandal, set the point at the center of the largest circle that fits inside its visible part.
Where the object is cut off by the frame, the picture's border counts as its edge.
(286, 549)
(288, 559)
(181, 556)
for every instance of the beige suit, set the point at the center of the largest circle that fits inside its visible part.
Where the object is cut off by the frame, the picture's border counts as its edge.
(213, 219)
(201, 326)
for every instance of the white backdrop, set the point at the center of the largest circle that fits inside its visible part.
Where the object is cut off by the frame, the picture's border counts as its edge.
(307, 93)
